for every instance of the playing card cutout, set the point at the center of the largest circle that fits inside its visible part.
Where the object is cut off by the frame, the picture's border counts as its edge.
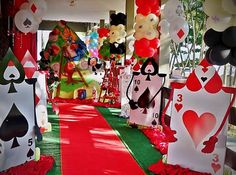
(198, 127)
(15, 125)
(149, 68)
(29, 65)
(30, 153)
(11, 71)
(199, 110)
(145, 103)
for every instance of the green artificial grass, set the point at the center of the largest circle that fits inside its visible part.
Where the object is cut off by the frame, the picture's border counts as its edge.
(136, 142)
(51, 142)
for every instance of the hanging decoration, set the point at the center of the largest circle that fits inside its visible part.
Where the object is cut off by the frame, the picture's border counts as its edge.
(173, 22)
(28, 18)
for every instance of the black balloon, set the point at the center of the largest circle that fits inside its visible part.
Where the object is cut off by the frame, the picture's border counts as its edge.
(229, 36)
(207, 56)
(117, 19)
(220, 55)
(212, 37)
(233, 52)
(232, 60)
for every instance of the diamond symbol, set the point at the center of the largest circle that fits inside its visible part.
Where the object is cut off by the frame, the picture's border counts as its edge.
(180, 33)
(33, 8)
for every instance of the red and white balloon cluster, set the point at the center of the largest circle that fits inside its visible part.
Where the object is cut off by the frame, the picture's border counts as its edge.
(146, 34)
(173, 22)
(221, 14)
(28, 18)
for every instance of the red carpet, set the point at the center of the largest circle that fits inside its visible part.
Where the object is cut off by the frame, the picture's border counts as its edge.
(89, 146)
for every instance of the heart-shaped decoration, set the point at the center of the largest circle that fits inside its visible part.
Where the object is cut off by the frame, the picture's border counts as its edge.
(206, 73)
(215, 166)
(198, 127)
(178, 106)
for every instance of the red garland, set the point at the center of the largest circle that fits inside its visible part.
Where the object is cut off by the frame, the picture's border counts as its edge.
(157, 138)
(40, 167)
(167, 169)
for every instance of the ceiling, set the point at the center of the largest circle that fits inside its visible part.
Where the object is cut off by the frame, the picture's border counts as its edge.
(82, 10)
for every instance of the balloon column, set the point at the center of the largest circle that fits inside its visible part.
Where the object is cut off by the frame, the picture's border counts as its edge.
(93, 44)
(146, 34)
(117, 33)
(173, 22)
(104, 46)
(221, 34)
(28, 18)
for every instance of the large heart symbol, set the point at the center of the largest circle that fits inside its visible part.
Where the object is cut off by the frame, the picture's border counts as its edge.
(215, 166)
(198, 127)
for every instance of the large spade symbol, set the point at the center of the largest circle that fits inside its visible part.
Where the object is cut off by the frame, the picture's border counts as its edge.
(14, 125)
(144, 101)
(11, 71)
(149, 67)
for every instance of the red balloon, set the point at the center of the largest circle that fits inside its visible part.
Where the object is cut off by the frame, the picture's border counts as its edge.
(144, 10)
(153, 2)
(139, 3)
(145, 52)
(156, 11)
(155, 43)
(142, 43)
(103, 32)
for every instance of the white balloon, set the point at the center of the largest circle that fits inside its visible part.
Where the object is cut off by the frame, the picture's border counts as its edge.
(131, 45)
(24, 21)
(35, 28)
(24, 6)
(229, 6)
(219, 23)
(213, 7)
(178, 30)
(173, 9)
(164, 26)
(38, 8)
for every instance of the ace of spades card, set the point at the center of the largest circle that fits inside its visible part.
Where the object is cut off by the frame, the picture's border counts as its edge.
(17, 114)
(198, 110)
(145, 103)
